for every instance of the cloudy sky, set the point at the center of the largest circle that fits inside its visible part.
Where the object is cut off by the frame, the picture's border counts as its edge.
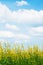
(21, 21)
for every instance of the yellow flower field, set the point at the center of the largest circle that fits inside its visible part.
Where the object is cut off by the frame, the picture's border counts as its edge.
(20, 56)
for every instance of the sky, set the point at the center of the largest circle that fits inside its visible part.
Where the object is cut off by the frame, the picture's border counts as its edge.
(21, 21)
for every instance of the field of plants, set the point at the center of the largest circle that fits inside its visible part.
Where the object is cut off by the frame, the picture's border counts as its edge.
(20, 56)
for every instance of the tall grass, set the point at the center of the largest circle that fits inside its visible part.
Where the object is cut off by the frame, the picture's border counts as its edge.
(20, 56)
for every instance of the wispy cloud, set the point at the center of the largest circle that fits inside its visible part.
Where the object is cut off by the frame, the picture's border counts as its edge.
(21, 3)
(6, 34)
(12, 27)
(9, 34)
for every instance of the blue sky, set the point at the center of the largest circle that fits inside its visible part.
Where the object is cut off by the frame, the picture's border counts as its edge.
(34, 4)
(21, 21)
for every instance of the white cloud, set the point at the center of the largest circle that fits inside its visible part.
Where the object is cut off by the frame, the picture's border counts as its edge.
(12, 27)
(21, 16)
(32, 17)
(5, 13)
(8, 34)
(36, 31)
(21, 3)
(29, 16)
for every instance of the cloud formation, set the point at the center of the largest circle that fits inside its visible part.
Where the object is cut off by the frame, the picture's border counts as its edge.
(21, 16)
(21, 3)
(9, 34)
